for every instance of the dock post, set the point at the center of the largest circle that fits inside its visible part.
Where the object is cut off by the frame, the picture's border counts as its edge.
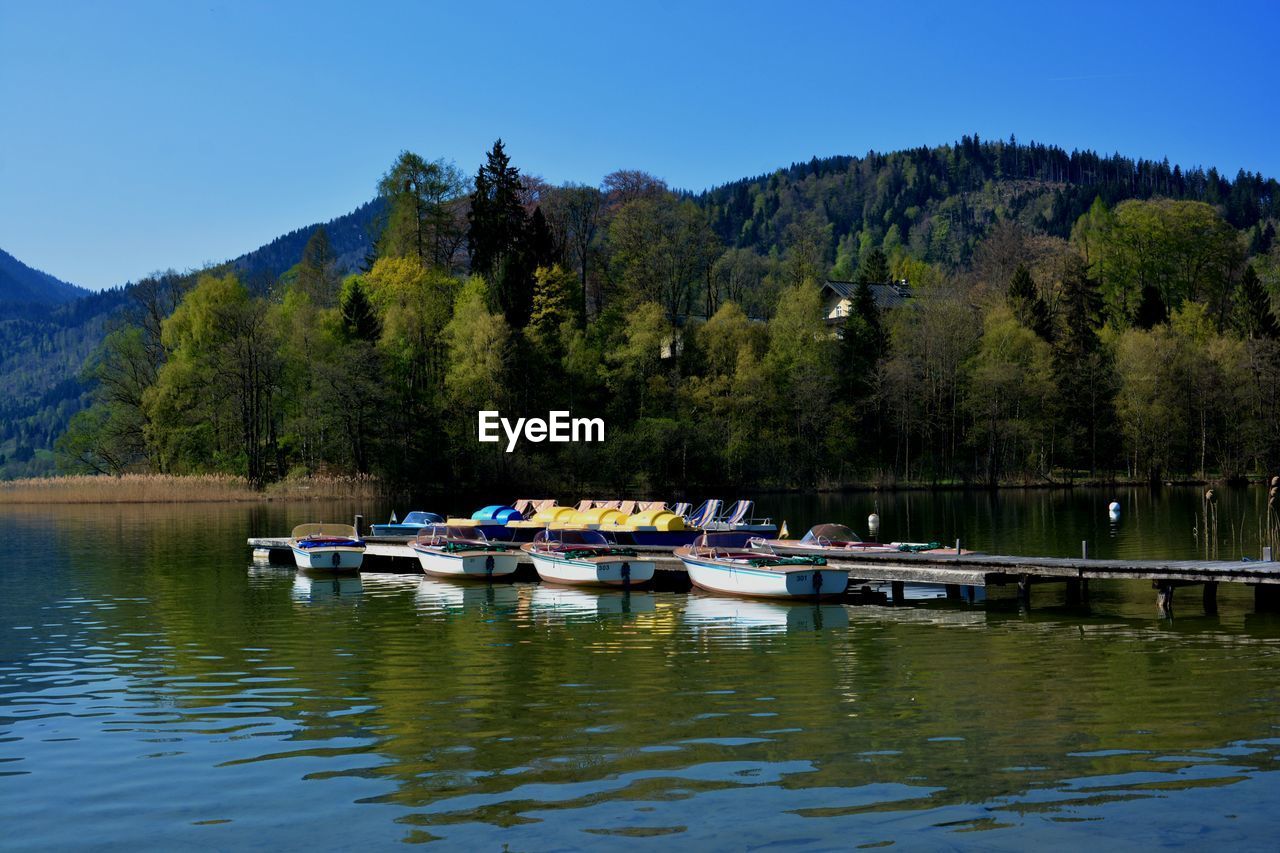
(953, 591)
(1073, 591)
(971, 594)
(1266, 598)
(1210, 597)
(897, 589)
(359, 525)
(1164, 597)
(1084, 590)
(957, 546)
(1266, 554)
(1024, 590)
(1084, 549)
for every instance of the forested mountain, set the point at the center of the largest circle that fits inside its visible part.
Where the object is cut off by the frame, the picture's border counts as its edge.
(1056, 294)
(45, 343)
(21, 284)
(351, 236)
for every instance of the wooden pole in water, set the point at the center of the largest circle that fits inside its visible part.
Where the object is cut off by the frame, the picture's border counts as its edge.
(1024, 590)
(359, 524)
(897, 589)
(1211, 598)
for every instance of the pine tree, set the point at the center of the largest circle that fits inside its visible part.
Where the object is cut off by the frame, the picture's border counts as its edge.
(1027, 304)
(496, 235)
(874, 268)
(318, 270)
(359, 320)
(1151, 308)
(1255, 316)
(1081, 368)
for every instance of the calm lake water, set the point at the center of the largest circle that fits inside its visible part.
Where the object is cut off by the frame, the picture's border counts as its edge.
(157, 690)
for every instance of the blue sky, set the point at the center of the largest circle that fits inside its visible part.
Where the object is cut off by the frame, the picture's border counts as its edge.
(137, 136)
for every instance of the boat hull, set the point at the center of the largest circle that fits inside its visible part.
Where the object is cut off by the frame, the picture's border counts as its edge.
(809, 583)
(481, 565)
(596, 571)
(337, 558)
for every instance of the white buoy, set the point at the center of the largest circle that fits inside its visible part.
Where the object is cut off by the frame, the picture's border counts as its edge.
(873, 522)
(1113, 510)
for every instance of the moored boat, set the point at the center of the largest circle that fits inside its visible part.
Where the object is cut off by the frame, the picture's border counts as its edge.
(459, 552)
(586, 558)
(718, 563)
(492, 521)
(837, 540)
(411, 525)
(327, 547)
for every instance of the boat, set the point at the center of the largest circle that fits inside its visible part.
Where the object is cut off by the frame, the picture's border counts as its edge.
(463, 552)
(651, 527)
(410, 526)
(737, 519)
(837, 540)
(586, 558)
(491, 520)
(327, 547)
(543, 517)
(718, 563)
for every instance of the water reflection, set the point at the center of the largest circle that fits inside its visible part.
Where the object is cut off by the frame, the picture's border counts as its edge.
(327, 589)
(723, 613)
(435, 594)
(567, 602)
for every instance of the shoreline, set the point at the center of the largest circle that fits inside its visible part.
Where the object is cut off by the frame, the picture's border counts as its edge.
(226, 489)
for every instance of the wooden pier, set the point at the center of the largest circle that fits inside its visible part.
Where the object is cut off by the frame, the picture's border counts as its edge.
(960, 574)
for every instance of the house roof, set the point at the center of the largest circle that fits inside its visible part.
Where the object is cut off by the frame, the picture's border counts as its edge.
(888, 295)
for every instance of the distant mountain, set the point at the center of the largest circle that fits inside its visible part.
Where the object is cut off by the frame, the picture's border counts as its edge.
(21, 284)
(351, 236)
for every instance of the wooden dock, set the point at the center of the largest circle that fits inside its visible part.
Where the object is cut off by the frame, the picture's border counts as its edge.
(960, 574)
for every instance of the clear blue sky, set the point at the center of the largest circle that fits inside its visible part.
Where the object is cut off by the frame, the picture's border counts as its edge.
(138, 136)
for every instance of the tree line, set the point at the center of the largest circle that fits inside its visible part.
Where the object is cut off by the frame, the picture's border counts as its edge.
(1139, 339)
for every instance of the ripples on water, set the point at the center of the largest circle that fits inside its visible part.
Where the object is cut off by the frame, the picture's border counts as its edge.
(155, 692)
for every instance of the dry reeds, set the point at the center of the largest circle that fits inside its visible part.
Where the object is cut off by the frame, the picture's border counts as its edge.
(168, 488)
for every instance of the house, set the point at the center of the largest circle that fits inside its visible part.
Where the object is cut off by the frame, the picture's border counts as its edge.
(838, 296)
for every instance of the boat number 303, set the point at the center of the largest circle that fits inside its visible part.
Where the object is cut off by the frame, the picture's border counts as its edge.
(558, 427)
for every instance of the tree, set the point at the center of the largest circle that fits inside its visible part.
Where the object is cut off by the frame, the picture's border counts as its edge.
(555, 304)
(663, 251)
(1026, 303)
(575, 211)
(497, 232)
(317, 273)
(422, 210)
(359, 321)
(874, 268)
(1254, 315)
(1081, 369)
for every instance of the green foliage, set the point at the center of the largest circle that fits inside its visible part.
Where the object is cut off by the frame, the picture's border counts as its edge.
(423, 218)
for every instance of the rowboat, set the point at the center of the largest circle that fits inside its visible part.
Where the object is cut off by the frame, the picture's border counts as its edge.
(719, 564)
(836, 540)
(327, 547)
(585, 558)
(410, 526)
(459, 552)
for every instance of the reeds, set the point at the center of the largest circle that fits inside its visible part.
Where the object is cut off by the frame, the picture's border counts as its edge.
(168, 488)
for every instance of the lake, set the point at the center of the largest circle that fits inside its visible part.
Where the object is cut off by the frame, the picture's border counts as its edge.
(159, 690)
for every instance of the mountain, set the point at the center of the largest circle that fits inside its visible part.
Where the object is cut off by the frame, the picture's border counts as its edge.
(49, 329)
(21, 284)
(351, 237)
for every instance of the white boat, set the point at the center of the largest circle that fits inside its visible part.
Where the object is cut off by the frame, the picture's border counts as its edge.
(586, 558)
(718, 563)
(327, 547)
(456, 552)
(836, 540)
